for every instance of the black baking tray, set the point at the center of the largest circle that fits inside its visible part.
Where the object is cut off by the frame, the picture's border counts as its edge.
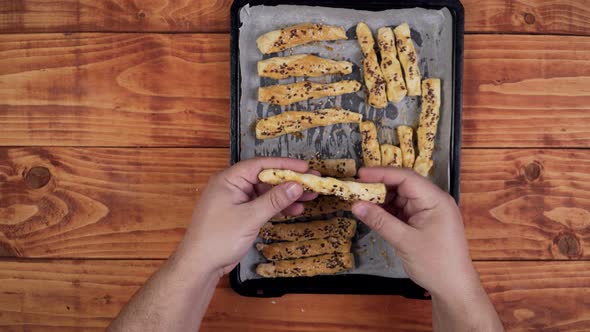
(345, 284)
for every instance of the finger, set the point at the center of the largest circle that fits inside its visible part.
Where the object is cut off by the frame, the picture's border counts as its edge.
(314, 172)
(308, 196)
(245, 173)
(389, 227)
(261, 188)
(293, 210)
(407, 182)
(275, 200)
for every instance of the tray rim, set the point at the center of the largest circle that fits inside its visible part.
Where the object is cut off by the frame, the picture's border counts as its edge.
(346, 284)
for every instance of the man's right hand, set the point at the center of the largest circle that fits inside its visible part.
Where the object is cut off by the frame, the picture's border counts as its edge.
(424, 225)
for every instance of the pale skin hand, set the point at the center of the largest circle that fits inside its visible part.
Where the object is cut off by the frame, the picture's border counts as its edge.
(425, 226)
(225, 223)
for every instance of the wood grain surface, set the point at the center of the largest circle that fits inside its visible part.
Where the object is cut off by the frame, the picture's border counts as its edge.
(68, 202)
(526, 91)
(86, 294)
(114, 113)
(107, 90)
(526, 204)
(522, 16)
(114, 90)
(108, 203)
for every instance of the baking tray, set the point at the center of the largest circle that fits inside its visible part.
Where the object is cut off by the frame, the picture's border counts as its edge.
(346, 284)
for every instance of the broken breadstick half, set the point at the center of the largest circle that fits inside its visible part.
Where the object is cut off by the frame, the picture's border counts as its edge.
(391, 155)
(301, 65)
(408, 58)
(374, 80)
(406, 144)
(307, 267)
(296, 121)
(336, 168)
(428, 125)
(390, 66)
(346, 190)
(286, 94)
(370, 145)
(280, 40)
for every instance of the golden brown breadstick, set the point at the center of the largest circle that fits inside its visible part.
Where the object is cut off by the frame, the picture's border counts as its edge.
(308, 248)
(286, 94)
(343, 228)
(406, 144)
(318, 207)
(296, 121)
(301, 65)
(390, 66)
(280, 40)
(391, 155)
(337, 168)
(346, 190)
(428, 125)
(307, 267)
(408, 58)
(374, 79)
(371, 153)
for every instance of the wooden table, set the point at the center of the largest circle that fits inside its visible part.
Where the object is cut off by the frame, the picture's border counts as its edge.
(113, 114)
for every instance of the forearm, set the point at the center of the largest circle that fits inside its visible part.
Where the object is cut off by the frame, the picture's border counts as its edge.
(470, 310)
(175, 298)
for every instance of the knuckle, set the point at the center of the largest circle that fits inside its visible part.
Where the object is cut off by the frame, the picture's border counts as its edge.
(379, 222)
(276, 201)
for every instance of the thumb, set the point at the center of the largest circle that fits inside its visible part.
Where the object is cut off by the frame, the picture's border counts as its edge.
(276, 200)
(385, 224)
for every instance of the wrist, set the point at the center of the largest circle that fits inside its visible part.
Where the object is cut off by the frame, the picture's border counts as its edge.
(462, 286)
(194, 262)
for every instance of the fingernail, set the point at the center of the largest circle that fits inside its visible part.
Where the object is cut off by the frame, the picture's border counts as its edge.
(293, 190)
(359, 210)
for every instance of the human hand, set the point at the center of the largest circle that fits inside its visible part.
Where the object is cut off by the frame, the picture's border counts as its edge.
(233, 207)
(424, 225)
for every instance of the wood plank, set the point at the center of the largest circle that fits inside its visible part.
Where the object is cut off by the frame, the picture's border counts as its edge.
(69, 202)
(527, 204)
(107, 203)
(526, 91)
(87, 294)
(522, 16)
(114, 15)
(114, 90)
(528, 16)
(106, 90)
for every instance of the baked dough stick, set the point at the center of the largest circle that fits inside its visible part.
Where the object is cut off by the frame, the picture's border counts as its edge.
(286, 94)
(428, 125)
(406, 144)
(371, 153)
(372, 72)
(301, 65)
(319, 206)
(408, 58)
(390, 66)
(288, 250)
(337, 168)
(343, 228)
(295, 121)
(280, 40)
(307, 267)
(391, 155)
(346, 190)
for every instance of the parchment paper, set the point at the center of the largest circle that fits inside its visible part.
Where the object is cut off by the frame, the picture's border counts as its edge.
(432, 36)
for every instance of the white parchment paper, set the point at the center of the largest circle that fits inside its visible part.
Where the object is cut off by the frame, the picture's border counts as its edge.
(432, 36)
